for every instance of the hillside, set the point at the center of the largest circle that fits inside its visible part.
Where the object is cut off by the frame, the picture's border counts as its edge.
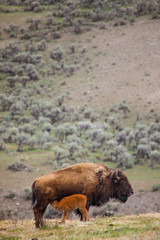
(79, 82)
(103, 64)
(123, 65)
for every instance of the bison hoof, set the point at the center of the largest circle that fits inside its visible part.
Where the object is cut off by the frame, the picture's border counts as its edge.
(37, 225)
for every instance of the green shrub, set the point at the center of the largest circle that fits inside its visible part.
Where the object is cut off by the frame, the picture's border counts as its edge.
(57, 53)
(64, 130)
(18, 167)
(155, 157)
(99, 136)
(83, 126)
(41, 46)
(2, 147)
(35, 25)
(47, 127)
(94, 146)
(155, 137)
(10, 195)
(28, 128)
(112, 143)
(143, 151)
(77, 28)
(11, 81)
(69, 69)
(47, 145)
(60, 153)
(141, 131)
(6, 101)
(153, 127)
(2, 215)
(156, 187)
(72, 147)
(56, 35)
(55, 115)
(126, 160)
(32, 72)
(21, 139)
(72, 48)
(73, 138)
(121, 137)
(11, 134)
(124, 105)
(27, 193)
(153, 145)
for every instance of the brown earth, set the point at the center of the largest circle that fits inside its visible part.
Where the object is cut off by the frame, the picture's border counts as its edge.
(123, 64)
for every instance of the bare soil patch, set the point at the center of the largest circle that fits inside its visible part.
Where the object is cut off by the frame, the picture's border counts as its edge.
(123, 64)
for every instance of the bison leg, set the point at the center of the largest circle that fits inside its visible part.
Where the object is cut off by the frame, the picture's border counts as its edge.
(38, 214)
(83, 215)
(78, 212)
(37, 218)
(84, 212)
(64, 217)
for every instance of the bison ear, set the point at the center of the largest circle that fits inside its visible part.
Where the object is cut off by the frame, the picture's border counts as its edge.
(115, 176)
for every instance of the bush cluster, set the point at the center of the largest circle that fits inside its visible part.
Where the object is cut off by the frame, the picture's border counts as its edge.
(156, 187)
(73, 133)
(32, 120)
(63, 13)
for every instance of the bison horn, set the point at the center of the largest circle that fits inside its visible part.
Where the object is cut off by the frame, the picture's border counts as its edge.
(116, 178)
(116, 173)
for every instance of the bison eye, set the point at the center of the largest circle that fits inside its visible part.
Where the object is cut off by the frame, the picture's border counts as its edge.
(123, 183)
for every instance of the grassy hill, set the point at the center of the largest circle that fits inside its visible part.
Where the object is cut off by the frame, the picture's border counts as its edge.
(79, 82)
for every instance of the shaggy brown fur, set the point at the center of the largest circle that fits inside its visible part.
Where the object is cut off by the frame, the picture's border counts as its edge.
(70, 203)
(96, 181)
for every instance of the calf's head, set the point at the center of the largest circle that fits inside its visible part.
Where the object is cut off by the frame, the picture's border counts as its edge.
(121, 185)
(54, 204)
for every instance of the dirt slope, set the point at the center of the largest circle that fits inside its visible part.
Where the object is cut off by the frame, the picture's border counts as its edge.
(123, 64)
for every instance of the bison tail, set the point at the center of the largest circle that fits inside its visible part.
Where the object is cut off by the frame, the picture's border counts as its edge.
(34, 200)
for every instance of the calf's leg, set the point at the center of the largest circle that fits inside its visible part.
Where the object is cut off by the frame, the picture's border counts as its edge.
(64, 217)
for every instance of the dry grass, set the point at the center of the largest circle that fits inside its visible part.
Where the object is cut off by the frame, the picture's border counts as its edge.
(128, 227)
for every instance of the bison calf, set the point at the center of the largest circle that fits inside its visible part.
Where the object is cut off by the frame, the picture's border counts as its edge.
(70, 203)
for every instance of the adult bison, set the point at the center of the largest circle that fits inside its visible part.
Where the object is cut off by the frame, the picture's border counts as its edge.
(96, 181)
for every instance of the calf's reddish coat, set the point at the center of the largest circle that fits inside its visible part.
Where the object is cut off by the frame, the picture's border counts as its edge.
(70, 203)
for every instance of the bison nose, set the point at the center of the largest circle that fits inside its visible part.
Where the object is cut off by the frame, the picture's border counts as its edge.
(131, 192)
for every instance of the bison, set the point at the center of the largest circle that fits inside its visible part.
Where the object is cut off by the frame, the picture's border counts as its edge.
(70, 203)
(98, 182)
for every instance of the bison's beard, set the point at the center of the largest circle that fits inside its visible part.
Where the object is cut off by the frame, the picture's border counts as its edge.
(123, 198)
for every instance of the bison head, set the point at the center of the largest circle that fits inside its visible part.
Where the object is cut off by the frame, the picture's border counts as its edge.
(122, 187)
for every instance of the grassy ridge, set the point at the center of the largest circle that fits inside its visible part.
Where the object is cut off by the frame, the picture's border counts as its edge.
(75, 69)
(127, 227)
